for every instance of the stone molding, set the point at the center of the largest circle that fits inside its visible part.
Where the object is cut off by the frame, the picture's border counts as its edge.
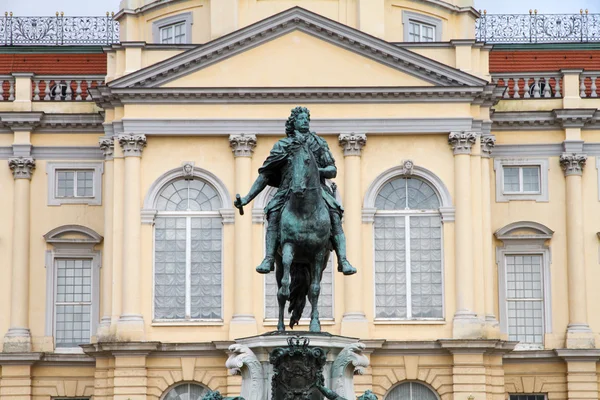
(462, 142)
(21, 167)
(297, 18)
(132, 145)
(574, 118)
(242, 361)
(242, 145)
(545, 120)
(572, 164)
(21, 121)
(40, 122)
(487, 145)
(107, 145)
(352, 143)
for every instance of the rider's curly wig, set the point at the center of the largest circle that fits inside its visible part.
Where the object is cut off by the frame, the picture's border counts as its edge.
(289, 124)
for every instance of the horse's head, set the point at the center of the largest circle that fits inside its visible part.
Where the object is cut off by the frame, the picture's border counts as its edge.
(304, 171)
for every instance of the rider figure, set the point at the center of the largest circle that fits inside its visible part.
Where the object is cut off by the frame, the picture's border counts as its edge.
(274, 172)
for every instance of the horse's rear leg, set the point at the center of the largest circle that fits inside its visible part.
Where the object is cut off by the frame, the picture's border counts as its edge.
(287, 257)
(315, 289)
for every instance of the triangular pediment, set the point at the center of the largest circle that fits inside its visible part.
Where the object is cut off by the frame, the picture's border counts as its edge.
(362, 52)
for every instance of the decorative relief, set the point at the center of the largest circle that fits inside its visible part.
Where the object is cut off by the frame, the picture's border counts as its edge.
(107, 145)
(348, 363)
(252, 375)
(487, 145)
(462, 142)
(132, 145)
(572, 164)
(407, 166)
(352, 143)
(242, 145)
(21, 167)
(187, 170)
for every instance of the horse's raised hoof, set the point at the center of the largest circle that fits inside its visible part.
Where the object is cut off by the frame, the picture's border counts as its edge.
(345, 268)
(266, 266)
(315, 325)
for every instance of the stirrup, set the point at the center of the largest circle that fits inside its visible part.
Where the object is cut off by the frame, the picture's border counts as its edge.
(265, 269)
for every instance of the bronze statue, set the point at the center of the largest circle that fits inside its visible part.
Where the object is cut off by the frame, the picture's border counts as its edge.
(304, 219)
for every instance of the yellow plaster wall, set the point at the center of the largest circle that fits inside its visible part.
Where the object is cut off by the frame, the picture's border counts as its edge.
(200, 10)
(549, 378)
(302, 60)
(49, 382)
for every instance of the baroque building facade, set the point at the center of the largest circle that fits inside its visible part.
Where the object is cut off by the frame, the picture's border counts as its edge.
(468, 171)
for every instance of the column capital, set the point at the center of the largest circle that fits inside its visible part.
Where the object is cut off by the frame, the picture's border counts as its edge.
(242, 145)
(572, 164)
(21, 167)
(107, 145)
(462, 142)
(132, 145)
(487, 145)
(352, 143)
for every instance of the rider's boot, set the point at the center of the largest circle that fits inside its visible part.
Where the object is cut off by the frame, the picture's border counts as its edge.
(339, 245)
(268, 264)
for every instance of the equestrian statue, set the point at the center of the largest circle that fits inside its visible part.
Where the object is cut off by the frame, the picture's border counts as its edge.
(304, 218)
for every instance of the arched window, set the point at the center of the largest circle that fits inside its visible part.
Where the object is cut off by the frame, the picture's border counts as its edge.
(326, 295)
(408, 250)
(186, 391)
(411, 391)
(187, 251)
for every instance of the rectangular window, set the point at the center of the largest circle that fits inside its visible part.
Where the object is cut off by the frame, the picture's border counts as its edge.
(527, 397)
(73, 302)
(74, 183)
(525, 298)
(420, 32)
(173, 33)
(521, 179)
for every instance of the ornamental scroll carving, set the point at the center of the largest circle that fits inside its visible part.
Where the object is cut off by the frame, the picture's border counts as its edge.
(348, 363)
(21, 167)
(572, 164)
(242, 145)
(242, 361)
(352, 143)
(487, 145)
(461, 142)
(107, 145)
(132, 145)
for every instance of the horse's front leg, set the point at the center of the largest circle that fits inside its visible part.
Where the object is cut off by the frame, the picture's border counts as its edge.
(315, 289)
(287, 258)
(280, 299)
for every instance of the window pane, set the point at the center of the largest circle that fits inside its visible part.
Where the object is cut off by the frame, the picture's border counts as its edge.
(427, 33)
(65, 184)
(169, 268)
(206, 268)
(390, 267)
(194, 195)
(411, 391)
(166, 34)
(85, 183)
(511, 179)
(392, 195)
(421, 195)
(186, 392)
(73, 302)
(414, 32)
(527, 397)
(179, 33)
(426, 266)
(531, 179)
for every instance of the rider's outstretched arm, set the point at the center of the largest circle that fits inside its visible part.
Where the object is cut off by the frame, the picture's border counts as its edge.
(258, 186)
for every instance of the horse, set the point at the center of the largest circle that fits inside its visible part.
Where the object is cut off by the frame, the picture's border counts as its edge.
(305, 230)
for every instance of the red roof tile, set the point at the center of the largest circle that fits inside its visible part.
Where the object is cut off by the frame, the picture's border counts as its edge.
(543, 60)
(54, 64)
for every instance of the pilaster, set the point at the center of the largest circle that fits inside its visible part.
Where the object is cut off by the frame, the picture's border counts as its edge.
(465, 324)
(117, 237)
(476, 220)
(107, 145)
(18, 337)
(16, 382)
(131, 322)
(491, 327)
(243, 322)
(354, 321)
(582, 380)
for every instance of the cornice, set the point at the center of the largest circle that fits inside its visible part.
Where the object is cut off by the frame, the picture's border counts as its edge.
(21, 121)
(119, 348)
(40, 122)
(574, 118)
(20, 358)
(108, 97)
(585, 118)
(313, 24)
(578, 355)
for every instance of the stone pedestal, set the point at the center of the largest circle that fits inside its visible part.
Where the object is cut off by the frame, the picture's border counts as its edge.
(250, 358)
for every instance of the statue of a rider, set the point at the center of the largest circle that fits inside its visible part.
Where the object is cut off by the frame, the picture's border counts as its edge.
(274, 172)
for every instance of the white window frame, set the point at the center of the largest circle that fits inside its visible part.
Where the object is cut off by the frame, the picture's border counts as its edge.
(527, 394)
(411, 382)
(502, 196)
(52, 169)
(524, 244)
(69, 248)
(520, 169)
(183, 18)
(409, 17)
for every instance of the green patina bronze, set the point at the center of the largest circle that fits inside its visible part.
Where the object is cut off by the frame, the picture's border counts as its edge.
(217, 396)
(331, 395)
(304, 218)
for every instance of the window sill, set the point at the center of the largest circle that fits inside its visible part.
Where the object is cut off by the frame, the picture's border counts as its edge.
(188, 323)
(303, 322)
(409, 322)
(68, 350)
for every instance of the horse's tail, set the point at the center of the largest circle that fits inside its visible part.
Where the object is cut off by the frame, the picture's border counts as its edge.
(298, 291)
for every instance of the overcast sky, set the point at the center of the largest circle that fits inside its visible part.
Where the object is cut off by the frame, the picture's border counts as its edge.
(99, 7)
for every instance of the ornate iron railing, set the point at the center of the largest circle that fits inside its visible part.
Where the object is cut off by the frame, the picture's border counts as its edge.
(538, 28)
(58, 30)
